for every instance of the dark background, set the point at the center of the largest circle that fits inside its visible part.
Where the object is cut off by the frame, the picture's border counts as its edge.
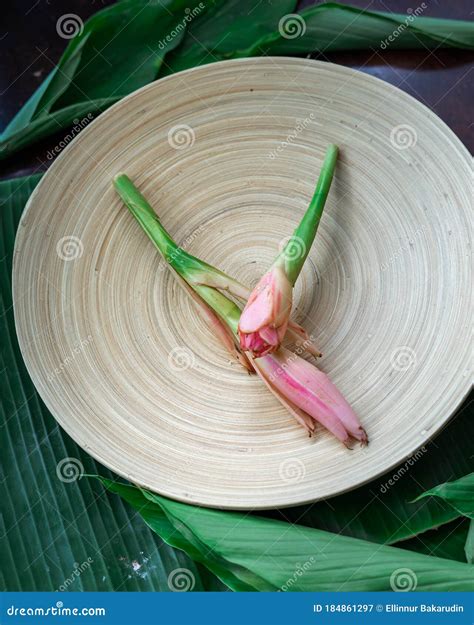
(441, 78)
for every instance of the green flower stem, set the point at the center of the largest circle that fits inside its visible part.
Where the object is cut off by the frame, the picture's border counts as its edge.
(146, 216)
(193, 270)
(303, 237)
(227, 310)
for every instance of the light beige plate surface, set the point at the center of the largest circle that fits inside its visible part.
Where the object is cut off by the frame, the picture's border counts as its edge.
(228, 154)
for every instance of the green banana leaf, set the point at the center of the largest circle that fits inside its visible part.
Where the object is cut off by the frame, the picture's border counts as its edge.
(46, 125)
(140, 41)
(448, 541)
(253, 553)
(469, 546)
(120, 49)
(459, 494)
(224, 29)
(454, 540)
(331, 26)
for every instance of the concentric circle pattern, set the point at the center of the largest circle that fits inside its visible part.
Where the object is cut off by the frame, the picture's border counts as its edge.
(228, 154)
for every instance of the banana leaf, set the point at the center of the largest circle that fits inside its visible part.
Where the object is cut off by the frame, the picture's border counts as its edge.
(329, 27)
(120, 49)
(224, 29)
(469, 546)
(254, 553)
(448, 541)
(458, 494)
(140, 41)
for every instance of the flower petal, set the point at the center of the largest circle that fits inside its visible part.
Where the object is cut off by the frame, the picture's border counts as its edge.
(312, 391)
(302, 417)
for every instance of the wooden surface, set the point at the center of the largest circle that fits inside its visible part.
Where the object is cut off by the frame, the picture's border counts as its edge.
(114, 347)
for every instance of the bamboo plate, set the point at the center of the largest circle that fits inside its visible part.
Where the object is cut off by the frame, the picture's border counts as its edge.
(229, 154)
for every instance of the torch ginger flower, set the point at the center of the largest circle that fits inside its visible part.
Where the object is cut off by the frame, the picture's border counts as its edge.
(311, 393)
(254, 336)
(266, 315)
(264, 320)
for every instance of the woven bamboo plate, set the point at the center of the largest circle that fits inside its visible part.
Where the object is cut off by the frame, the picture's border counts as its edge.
(229, 154)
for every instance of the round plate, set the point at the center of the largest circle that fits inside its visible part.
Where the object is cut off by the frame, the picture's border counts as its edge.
(228, 154)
